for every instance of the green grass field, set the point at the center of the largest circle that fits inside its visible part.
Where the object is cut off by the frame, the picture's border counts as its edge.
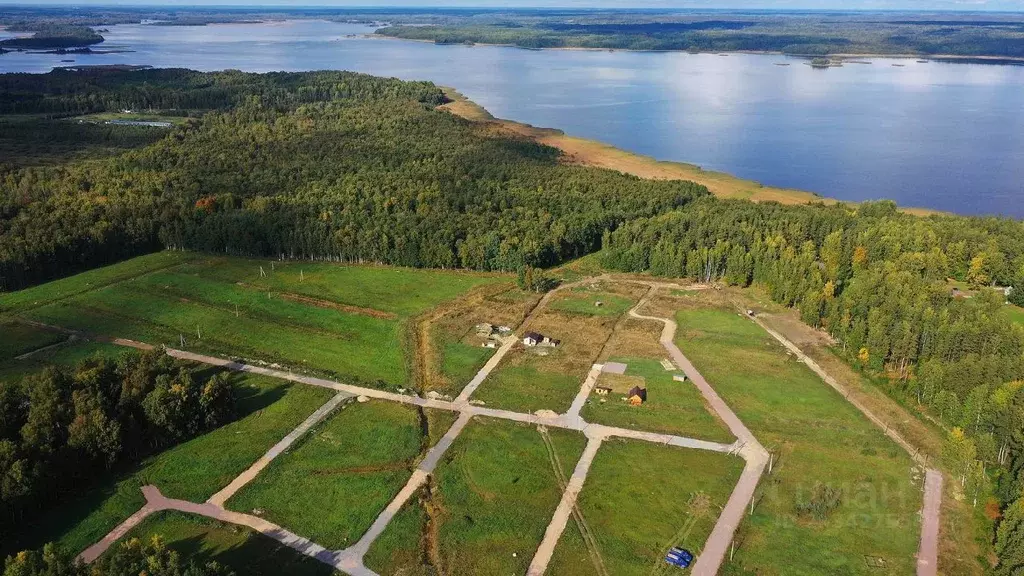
(527, 389)
(494, 494)
(345, 321)
(818, 438)
(584, 301)
(639, 500)
(21, 338)
(333, 484)
(240, 549)
(268, 409)
(29, 298)
(671, 408)
(67, 355)
(461, 362)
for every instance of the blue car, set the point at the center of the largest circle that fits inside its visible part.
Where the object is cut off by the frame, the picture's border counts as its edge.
(679, 557)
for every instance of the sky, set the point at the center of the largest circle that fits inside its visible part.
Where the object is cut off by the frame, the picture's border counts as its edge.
(1009, 5)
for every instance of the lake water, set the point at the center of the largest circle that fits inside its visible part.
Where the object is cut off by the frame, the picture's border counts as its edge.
(936, 135)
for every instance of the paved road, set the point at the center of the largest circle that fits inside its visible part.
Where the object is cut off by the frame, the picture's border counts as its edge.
(928, 554)
(244, 478)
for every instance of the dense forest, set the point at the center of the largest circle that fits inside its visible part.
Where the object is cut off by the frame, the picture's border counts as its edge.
(878, 281)
(351, 168)
(329, 165)
(61, 429)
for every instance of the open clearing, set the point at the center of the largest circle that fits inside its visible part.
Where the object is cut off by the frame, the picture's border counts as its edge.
(817, 438)
(450, 348)
(489, 503)
(392, 482)
(641, 499)
(242, 550)
(672, 407)
(346, 321)
(531, 379)
(267, 410)
(333, 484)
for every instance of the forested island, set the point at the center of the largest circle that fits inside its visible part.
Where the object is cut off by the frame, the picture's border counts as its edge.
(350, 168)
(803, 33)
(55, 36)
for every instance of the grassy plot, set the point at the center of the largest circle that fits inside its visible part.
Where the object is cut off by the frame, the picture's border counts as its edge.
(332, 485)
(672, 407)
(29, 298)
(487, 506)
(843, 499)
(68, 355)
(530, 379)
(639, 500)
(268, 410)
(592, 302)
(18, 338)
(450, 349)
(461, 362)
(241, 549)
(343, 320)
(403, 292)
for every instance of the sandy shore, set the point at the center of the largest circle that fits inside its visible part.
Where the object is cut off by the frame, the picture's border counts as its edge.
(598, 154)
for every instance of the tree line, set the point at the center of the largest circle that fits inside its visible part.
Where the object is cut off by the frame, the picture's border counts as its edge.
(330, 166)
(62, 428)
(131, 558)
(879, 282)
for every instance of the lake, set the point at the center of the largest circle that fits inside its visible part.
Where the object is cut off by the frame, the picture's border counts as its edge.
(937, 135)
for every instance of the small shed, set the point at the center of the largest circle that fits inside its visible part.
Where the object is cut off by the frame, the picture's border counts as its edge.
(639, 393)
(532, 339)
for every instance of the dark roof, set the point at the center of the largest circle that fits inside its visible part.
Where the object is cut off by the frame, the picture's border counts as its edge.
(638, 391)
(533, 336)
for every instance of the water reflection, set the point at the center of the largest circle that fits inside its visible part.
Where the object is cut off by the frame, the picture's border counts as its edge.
(946, 136)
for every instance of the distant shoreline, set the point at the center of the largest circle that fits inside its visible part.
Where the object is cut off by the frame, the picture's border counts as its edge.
(586, 152)
(951, 58)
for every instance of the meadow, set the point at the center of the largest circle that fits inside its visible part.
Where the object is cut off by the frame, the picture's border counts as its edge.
(531, 379)
(267, 410)
(345, 321)
(19, 338)
(240, 549)
(820, 442)
(340, 476)
(487, 506)
(672, 407)
(67, 355)
(639, 500)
